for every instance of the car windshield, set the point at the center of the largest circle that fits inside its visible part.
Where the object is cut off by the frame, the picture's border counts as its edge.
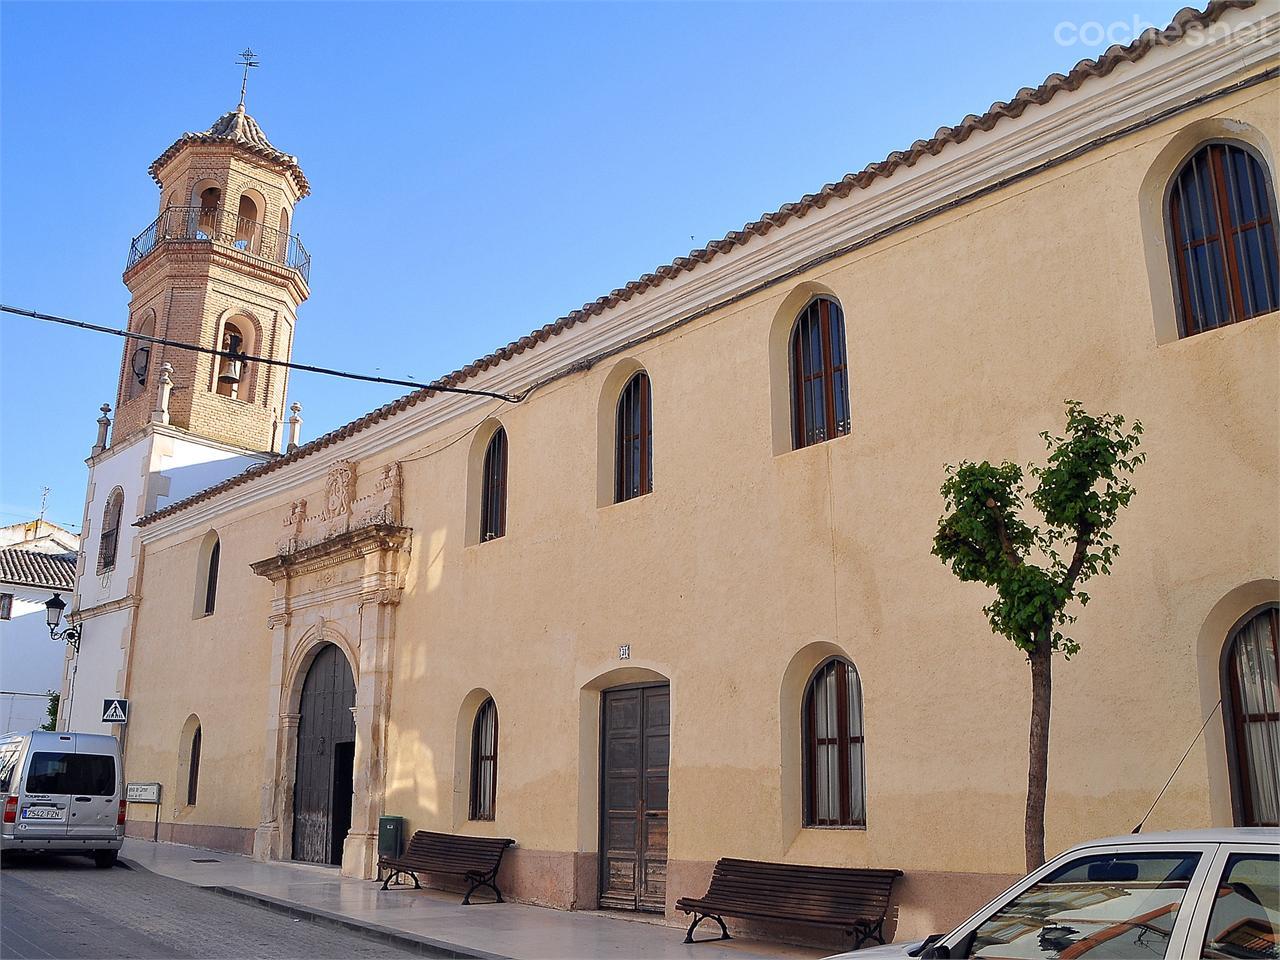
(1102, 906)
(83, 773)
(1245, 921)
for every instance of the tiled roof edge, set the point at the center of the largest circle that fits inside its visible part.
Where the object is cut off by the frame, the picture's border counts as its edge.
(1185, 19)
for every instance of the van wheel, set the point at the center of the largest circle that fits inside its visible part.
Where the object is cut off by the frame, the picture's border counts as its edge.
(105, 858)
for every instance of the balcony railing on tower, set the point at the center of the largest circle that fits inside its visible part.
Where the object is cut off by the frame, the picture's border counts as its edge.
(219, 225)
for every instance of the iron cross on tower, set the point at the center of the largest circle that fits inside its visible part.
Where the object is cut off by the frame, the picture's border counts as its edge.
(247, 59)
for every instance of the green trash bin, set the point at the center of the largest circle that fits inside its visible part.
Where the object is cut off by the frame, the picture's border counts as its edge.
(390, 836)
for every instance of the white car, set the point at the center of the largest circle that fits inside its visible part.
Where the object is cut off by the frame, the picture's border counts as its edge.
(1189, 894)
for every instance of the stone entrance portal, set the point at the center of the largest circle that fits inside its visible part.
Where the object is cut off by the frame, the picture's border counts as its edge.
(338, 576)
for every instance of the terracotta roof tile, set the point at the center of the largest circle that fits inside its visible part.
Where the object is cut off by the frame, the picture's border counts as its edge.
(32, 568)
(1185, 19)
(236, 127)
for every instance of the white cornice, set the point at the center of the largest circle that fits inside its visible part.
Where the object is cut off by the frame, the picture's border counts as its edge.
(1165, 77)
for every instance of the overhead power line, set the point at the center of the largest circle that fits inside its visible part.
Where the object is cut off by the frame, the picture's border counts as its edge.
(247, 358)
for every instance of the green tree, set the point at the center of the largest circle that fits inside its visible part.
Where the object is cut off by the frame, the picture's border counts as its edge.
(1037, 569)
(52, 710)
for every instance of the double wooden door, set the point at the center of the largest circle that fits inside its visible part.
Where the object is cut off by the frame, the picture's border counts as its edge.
(635, 732)
(326, 753)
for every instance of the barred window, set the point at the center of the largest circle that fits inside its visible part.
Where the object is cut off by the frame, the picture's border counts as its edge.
(834, 792)
(1224, 243)
(110, 539)
(493, 492)
(484, 761)
(819, 374)
(634, 470)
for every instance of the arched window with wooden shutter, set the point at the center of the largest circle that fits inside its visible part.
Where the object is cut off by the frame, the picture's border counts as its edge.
(834, 788)
(493, 493)
(819, 374)
(634, 459)
(484, 762)
(1221, 215)
(1252, 699)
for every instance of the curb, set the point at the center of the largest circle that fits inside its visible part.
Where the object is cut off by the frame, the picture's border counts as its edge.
(423, 946)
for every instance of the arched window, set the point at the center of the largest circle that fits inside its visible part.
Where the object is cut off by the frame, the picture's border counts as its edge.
(193, 769)
(1223, 238)
(231, 373)
(634, 458)
(834, 792)
(109, 542)
(140, 357)
(819, 374)
(493, 488)
(484, 761)
(207, 222)
(207, 562)
(247, 224)
(1253, 698)
(282, 241)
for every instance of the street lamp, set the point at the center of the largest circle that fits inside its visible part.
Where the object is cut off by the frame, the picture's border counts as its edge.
(53, 608)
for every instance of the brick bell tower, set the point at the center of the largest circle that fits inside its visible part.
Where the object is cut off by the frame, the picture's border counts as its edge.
(218, 267)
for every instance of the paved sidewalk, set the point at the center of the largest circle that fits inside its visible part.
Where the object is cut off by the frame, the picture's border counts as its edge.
(436, 921)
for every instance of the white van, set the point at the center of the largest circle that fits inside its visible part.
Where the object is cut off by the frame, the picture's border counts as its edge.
(62, 794)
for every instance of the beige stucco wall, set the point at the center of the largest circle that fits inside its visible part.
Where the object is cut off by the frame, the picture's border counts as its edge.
(743, 566)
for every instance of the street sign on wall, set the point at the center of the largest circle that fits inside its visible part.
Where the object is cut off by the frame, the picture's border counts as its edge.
(115, 711)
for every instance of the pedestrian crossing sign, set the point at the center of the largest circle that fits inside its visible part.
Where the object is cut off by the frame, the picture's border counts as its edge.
(115, 711)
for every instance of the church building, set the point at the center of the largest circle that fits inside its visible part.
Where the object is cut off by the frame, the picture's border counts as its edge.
(660, 589)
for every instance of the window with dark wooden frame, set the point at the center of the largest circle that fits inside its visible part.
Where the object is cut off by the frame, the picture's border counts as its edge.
(1253, 697)
(484, 761)
(493, 488)
(211, 578)
(109, 542)
(193, 769)
(819, 375)
(634, 468)
(834, 791)
(1221, 225)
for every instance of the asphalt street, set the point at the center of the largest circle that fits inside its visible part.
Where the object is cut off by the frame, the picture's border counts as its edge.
(65, 907)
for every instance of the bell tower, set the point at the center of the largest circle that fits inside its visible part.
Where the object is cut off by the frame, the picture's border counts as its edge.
(219, 267)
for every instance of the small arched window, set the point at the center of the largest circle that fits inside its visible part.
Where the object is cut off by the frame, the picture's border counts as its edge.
(819, 374)
(193, 769)
(834, 791)
(207, 222)
(484, 761)
(634, 458)
(231, 372)
(493, 488)
(282, 241)
(109, 542)
(247, 224)
(140, 357)
(1223, 238)
(207, 574)
(1253, 695)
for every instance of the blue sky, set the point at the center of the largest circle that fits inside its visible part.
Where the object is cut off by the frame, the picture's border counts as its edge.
(477, 169)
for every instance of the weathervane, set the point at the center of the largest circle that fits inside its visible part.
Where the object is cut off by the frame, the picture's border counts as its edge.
(247, 59)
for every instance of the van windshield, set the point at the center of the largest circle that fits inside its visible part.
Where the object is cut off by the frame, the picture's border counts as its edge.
(84, 773)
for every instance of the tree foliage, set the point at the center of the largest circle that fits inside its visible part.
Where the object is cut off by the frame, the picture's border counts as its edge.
(1037, 568)
(52, 711)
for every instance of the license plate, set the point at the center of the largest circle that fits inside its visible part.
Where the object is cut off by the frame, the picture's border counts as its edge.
(42, 813)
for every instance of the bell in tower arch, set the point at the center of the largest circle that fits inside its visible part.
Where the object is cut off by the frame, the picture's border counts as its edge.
(230, 369)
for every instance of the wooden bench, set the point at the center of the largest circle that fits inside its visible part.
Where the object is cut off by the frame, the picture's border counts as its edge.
(475, 859)
(855, 900)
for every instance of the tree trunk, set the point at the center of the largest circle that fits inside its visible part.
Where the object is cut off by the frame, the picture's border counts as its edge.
(1038, 770)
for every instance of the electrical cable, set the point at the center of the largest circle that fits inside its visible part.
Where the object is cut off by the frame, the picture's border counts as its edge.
(247, 358)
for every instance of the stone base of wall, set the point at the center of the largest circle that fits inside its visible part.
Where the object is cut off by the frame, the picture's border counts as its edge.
(211, 837)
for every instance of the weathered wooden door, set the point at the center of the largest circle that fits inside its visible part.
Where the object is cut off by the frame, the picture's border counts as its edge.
(636, 747)
(326, 739)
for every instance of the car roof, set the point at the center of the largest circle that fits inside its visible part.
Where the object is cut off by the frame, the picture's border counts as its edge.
(1207, 835)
